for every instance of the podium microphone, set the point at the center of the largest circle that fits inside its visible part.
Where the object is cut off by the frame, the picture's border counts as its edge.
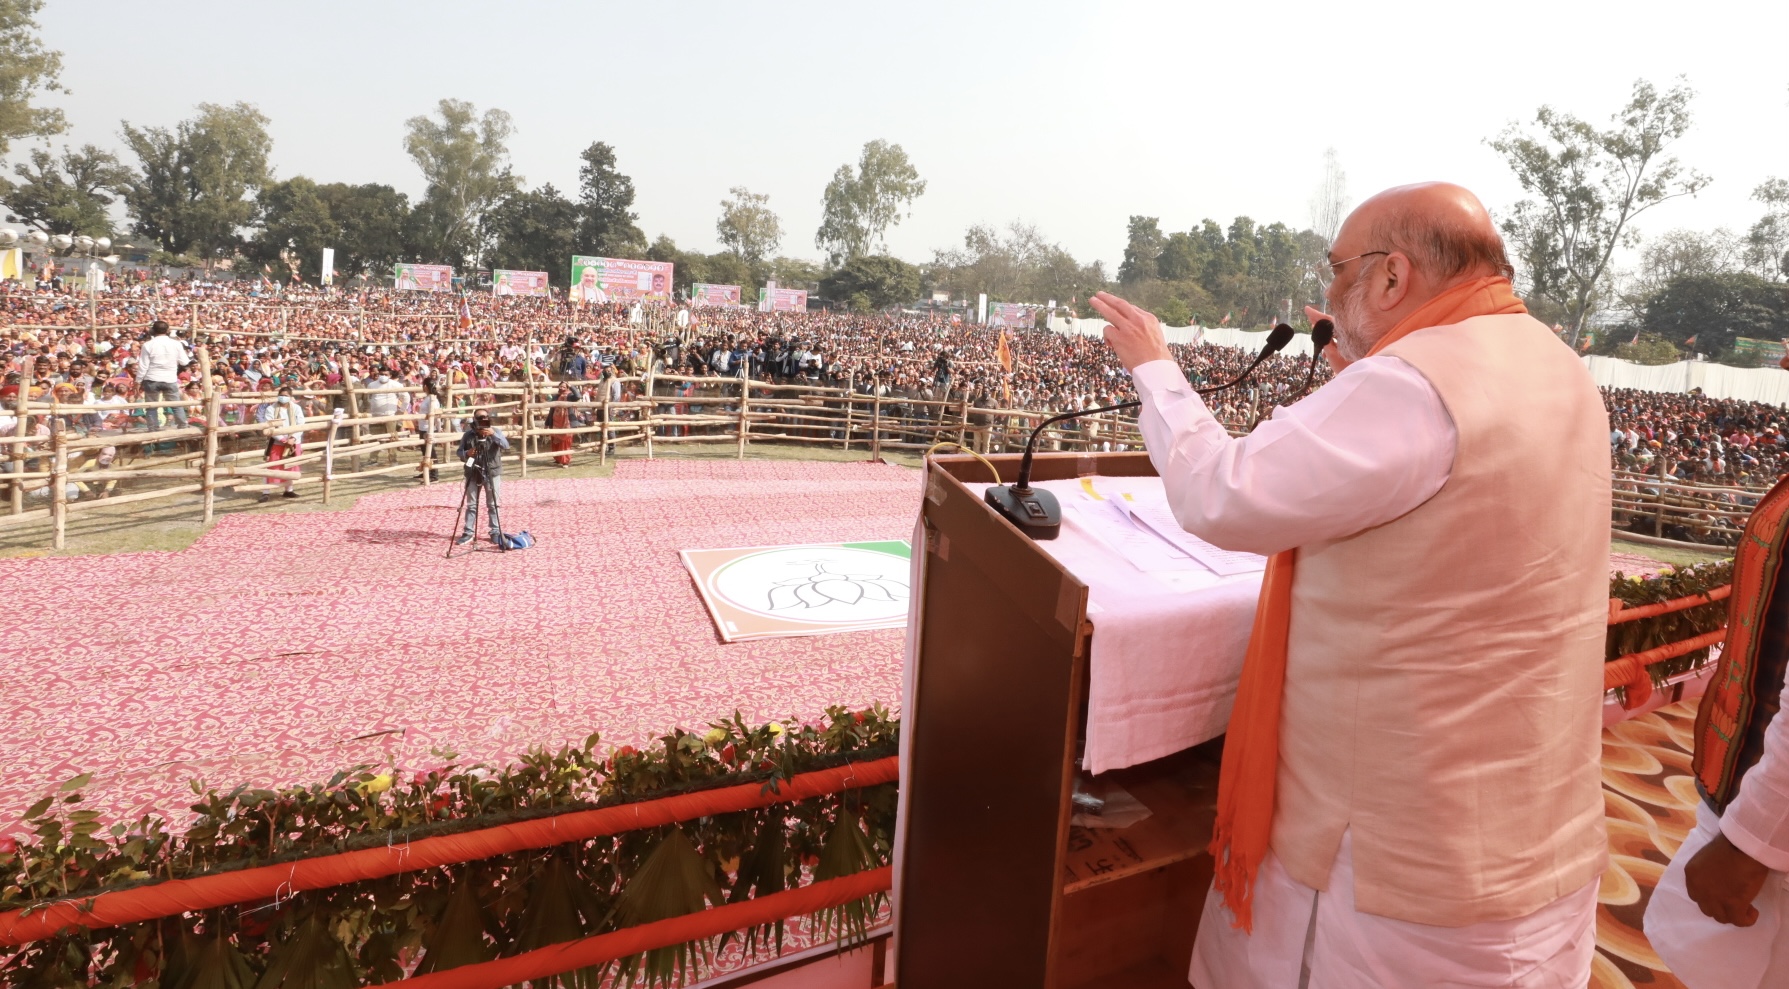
(1035, 511)
(1321, 334)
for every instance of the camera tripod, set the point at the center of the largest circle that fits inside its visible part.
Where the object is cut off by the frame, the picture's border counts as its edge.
(483, 481)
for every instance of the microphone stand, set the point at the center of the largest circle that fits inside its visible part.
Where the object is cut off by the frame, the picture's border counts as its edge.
(1035, 511)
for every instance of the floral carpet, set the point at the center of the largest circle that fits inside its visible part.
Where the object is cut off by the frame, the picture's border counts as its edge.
(1650, 799)
(282, 648)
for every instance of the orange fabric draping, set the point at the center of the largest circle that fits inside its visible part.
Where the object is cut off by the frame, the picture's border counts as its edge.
(571, 955)
(1630, 671)
(1619, 614)
(1251, 759)
(177, 896)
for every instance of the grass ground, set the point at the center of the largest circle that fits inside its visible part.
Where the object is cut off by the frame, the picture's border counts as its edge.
(1673, 555)
(174, 523)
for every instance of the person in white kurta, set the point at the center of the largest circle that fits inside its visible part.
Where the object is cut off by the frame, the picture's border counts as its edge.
(1706, 953)
(1366, 448)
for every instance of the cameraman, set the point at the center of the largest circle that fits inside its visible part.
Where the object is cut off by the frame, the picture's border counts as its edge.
(481, 451)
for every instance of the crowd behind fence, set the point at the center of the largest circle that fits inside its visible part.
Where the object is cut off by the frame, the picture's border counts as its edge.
(69, 458)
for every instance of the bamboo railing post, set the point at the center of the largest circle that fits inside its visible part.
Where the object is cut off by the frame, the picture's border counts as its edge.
(1658, 513)
(527, 421)
(22, 430)
(59, 478)
(602, 446)
(745, 390)
(335, 421)
(876, 426)
(850, 406)
(351, 402)
(213, 411)
(651, 412)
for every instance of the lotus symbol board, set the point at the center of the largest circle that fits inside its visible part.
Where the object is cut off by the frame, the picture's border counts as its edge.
(772, 591)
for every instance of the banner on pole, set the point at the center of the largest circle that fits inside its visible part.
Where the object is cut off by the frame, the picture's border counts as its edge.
(328, 271)
(1011, 314)
(595, 279)
(773, 299)
(507, 282)
(981, 308)
(423, 277)
(704, 294)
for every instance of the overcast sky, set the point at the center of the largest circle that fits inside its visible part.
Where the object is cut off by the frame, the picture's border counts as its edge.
(1067, 115)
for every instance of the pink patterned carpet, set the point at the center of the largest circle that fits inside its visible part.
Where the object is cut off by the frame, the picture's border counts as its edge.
(281, 648)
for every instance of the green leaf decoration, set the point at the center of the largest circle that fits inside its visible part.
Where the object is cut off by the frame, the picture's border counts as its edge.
(216, 964)
(310, 958)
(675, 880)
(763, 870)
(377, 930)
(847, 850)
(459, 937)
(560, 907)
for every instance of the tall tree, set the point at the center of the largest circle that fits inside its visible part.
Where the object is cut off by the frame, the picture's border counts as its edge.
(196, 183)
(72, 193)
(1329, 204)
(748, 227)
(872, 281)
(605, 205)
(1767, 243)
(27, 69)
(535, 231)
(1019, 265)
(1142, 248)
(370, 223)
(296, 226)
(1587, 184)
(464, 158)
(858, 208)
(1714, 309)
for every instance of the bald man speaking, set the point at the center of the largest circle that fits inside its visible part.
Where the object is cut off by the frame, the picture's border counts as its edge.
(1410, 789)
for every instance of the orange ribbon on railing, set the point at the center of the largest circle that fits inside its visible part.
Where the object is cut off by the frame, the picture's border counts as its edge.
(178, 896)
(1630, 671)
(1619, 614)
(603, 948)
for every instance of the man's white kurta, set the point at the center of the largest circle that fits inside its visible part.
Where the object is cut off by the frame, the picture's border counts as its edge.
(1367, 448)
(1706, 954)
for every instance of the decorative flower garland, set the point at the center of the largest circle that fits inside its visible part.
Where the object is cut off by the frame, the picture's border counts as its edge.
(435, 919)
(1676, 626)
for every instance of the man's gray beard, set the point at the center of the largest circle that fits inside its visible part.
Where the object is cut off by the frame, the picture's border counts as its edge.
(1354, 336)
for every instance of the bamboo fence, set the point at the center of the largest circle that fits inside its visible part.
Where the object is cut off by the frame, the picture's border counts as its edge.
(62, 460)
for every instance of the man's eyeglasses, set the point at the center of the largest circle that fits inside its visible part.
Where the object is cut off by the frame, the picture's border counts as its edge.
(1331, 266)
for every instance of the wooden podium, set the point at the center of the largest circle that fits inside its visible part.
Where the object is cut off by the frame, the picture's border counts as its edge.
(996, 887)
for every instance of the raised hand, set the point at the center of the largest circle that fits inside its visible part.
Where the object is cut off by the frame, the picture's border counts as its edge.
(1135, 334)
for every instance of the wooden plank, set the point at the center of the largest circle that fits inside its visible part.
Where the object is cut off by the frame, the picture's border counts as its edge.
(1181, 794)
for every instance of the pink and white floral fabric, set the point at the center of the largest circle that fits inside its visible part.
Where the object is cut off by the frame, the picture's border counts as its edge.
(283, 647)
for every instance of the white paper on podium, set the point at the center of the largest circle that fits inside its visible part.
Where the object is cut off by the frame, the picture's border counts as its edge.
(1167, 644)
(1154, 515)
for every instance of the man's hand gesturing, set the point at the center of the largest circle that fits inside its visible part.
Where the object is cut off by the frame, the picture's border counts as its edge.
(1135, 335)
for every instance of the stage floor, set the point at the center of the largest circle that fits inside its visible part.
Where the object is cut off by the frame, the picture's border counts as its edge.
(282, 648)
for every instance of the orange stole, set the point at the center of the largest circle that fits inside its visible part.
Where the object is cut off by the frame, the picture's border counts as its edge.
(1252, 744)
(1725, 715)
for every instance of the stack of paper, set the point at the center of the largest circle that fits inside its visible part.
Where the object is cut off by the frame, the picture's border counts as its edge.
(1158, 518)
(1139, 526)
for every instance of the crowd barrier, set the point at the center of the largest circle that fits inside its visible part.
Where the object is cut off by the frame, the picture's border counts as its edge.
(61, 460)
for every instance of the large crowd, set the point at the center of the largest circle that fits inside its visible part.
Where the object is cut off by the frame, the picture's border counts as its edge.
(89, 351)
